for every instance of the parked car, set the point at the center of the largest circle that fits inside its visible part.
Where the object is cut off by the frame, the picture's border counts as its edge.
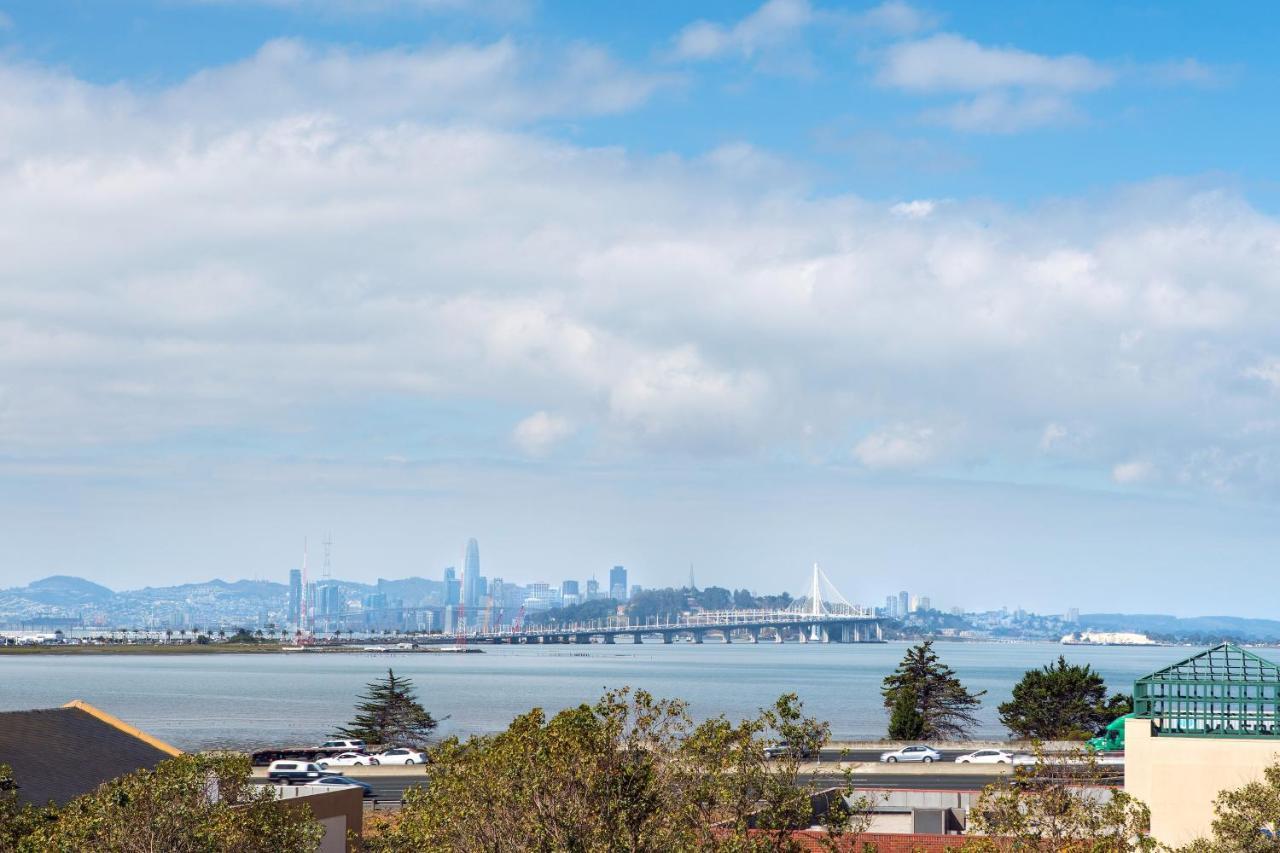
(917, 752)
(349, 745)
(347, 759)
(986, 756)
(293, 772)
(780, 750)
(400, 755)
(343, 780)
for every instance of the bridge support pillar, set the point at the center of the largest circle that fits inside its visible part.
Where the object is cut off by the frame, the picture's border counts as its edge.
(803, 632)
(753, 635)
(697, 637)
(824, 635)
(777, 636)
(728, 636)
(667, 638)
(608, 639)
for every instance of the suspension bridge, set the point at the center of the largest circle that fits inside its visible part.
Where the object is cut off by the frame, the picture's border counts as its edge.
(820, 614)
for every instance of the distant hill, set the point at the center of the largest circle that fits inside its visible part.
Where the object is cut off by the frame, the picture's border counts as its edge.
(1206, 627)
(64, 591)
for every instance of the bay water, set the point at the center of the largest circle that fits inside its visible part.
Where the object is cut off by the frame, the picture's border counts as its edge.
(247, 701)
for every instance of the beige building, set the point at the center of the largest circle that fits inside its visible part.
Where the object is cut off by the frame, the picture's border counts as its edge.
(1207, 724)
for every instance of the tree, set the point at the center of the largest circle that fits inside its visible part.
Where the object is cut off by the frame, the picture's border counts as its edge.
(944, 704)
(629, 773)
(1061, 701)
(905, 722)
(390, 714)
(1059, 805)
(187, 804)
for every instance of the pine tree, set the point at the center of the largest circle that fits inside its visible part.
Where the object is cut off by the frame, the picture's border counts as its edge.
(390, 714)
(944, 705)
(905, 723)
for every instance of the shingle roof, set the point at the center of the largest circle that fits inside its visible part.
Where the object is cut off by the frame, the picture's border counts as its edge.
(60, 753)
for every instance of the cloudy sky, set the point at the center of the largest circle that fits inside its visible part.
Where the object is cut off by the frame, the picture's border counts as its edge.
(973, 300)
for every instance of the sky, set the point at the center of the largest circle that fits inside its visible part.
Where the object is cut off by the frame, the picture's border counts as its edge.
(970, 299)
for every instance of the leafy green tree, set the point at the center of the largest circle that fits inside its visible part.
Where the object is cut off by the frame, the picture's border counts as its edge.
(1061, 701)
(1059, 805)
(630, 773)
(187, 804)
(905, 721)
(944, 704)
(390, 714)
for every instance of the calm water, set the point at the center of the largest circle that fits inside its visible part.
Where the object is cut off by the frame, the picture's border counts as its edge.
(247, 700)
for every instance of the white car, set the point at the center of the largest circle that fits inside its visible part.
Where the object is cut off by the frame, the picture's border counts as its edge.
(402, 756)
(986, 756)
(347, 759)
(926, 754)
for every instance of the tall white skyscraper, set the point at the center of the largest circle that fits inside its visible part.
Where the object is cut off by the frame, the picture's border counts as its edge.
(471, 592)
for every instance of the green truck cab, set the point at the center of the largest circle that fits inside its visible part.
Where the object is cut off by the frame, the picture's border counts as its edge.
(1112, 737)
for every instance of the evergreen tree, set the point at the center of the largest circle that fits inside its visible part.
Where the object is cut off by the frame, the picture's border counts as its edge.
(944, 705)
(905, 723)
(1061, 701)
(390, 714)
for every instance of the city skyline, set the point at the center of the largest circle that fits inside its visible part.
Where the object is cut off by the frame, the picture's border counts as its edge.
(924, 291)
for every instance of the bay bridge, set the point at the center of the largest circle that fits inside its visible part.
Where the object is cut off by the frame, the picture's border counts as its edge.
(820, 615)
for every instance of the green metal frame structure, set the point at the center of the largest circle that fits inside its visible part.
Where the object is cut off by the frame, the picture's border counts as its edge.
(1223, 692)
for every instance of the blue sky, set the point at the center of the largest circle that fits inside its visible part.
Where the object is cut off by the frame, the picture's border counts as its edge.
(971, 299)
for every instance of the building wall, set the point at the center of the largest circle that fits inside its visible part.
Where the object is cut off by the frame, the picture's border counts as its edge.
(1179, 777)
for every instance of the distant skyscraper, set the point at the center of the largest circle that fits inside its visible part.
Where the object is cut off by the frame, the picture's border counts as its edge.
(569, 592)
(471, 592)
(924, 603)
(295, 597)
(904, 603)
(452, 587)
(891, 606)
(593, 589)
(618, 583)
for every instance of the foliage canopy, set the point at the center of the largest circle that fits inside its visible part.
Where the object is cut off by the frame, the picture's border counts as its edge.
(944, 706)
(1061, 701)
(389, 713)
(629, 773)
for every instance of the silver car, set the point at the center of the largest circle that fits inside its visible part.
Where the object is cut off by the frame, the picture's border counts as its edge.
(926, 754)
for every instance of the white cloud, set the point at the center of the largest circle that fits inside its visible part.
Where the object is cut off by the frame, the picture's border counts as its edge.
(917, 209)
(998, 112)
(537, 434)
(1132, 472)
(774, 22)
(950, 63)
(247, 266)
(895, 18)
(898, 447)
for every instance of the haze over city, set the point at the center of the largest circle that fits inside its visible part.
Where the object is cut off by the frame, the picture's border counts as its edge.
(968, 299)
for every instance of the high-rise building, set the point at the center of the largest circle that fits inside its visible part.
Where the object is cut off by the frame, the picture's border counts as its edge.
(924, 604)
(452, 587)
(569, 593)
(593, 589)
(618, 583)
(471, 593)
(904, 603)
(295, 597)
(891, 606)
